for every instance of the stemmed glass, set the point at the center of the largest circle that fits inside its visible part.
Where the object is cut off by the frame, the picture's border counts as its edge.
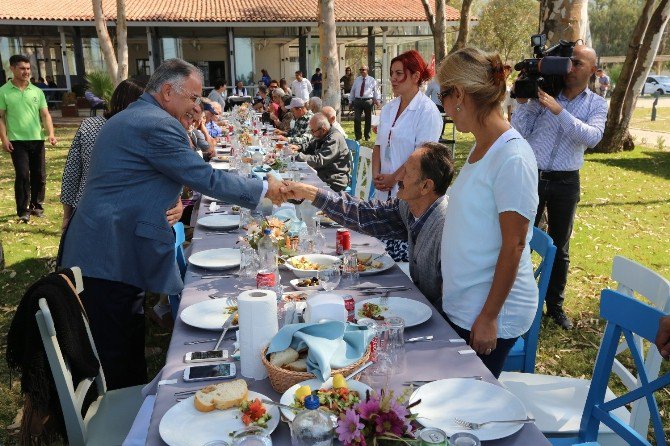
(329, 278)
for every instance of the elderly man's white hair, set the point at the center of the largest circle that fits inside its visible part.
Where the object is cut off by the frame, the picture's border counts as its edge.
(321, 121)
(329, 112)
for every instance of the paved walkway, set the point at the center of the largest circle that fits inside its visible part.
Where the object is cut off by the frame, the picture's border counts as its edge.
(60, 121)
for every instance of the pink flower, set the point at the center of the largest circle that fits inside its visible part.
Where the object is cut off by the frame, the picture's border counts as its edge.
(389, 422)
(349, 428)
(368, 408)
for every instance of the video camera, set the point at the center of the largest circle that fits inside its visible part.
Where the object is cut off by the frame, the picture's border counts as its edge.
(545, 70)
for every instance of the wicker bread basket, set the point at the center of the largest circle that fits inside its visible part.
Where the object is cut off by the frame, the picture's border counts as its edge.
(281, 379)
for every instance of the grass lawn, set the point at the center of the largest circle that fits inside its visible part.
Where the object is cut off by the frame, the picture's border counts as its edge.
(642, 120)
(625, 209)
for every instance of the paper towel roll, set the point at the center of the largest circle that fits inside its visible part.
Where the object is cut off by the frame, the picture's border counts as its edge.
(258, 324)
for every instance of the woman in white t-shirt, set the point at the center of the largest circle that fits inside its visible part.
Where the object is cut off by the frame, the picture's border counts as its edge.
(489, 292)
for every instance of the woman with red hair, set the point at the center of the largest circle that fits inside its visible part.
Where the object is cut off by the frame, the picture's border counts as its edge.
(406, 122)
(410, 119)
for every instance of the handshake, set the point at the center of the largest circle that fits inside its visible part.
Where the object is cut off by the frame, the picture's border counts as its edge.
(281, 191)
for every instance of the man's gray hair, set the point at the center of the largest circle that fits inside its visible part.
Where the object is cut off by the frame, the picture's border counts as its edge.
(279, 92)
(171, 71)
(321, 121)
(315, 104)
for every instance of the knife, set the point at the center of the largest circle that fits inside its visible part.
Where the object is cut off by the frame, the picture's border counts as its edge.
(226, 326)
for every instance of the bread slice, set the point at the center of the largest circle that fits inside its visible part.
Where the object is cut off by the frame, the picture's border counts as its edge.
(221, 396)
(283, 357)
(297, 366)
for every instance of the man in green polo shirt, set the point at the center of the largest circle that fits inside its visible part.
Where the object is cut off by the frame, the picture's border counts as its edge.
(23, 114)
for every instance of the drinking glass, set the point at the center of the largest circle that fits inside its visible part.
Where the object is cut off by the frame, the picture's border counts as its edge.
(249, 261)
(245, 219)
(329, 278)
(392, 341)
(350, 274)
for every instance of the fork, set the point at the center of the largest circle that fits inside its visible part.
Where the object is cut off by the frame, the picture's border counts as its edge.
(474, 426)
(384, 299)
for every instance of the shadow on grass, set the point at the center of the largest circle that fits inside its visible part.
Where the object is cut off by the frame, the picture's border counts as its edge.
(622, 203)
(657, 163)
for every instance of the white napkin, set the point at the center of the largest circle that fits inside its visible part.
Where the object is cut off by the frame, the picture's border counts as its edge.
(213, 207)
(365, 285)
(140, 428)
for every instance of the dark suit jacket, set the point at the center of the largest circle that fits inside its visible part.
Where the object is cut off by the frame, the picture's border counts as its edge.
(140, 161)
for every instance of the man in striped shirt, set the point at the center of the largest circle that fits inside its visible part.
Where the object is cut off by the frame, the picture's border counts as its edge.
(559, 130)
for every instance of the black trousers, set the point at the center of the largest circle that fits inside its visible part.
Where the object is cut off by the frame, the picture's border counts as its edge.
(362, 106)
(116, 315)
(496, 360)
(31, 175)
(559, 194)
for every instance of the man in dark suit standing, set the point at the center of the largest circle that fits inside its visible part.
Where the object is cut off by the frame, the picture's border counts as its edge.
(119, 234)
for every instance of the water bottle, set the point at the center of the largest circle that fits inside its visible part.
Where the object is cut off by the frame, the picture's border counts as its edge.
(268, 277)
(257, 158)
(312, 427)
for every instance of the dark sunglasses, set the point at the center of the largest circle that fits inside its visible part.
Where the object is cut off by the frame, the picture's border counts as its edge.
(445, 93)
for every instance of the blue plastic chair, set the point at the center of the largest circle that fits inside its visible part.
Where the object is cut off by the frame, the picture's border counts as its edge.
(627, 316)
(354, 151)
(179, 239)
(522, 355)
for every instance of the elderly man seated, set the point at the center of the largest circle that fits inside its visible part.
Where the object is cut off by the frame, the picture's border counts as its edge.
(416, 214)
(327, 153)
(299, 135)
(211, 116)
(330, 113)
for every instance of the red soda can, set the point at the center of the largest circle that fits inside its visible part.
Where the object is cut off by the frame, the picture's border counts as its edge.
(373, 349)
(342, 241)
(350, 306)
(372, 325)
(265, 279)
(231, 128)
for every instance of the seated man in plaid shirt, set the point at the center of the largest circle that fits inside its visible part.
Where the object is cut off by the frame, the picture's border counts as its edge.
(299, 135)
(416, 214)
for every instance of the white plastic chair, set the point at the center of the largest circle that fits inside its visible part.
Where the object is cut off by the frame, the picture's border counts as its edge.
(557, 402)
(364, 187)
(108, 419)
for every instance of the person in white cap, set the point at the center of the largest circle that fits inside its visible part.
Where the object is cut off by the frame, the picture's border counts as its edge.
(299, 135)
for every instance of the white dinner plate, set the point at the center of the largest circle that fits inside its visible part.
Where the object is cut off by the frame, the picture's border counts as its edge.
(325, 220)
(386, 261)
(411, 311)
(222, 258)
(315, 384)
(208, 315)
(469, 400)
(184, 425)
(220, 221)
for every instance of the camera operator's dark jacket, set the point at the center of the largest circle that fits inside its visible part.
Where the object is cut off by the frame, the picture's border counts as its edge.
(329, 156)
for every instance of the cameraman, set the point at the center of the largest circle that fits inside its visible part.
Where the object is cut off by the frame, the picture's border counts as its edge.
(559, 130)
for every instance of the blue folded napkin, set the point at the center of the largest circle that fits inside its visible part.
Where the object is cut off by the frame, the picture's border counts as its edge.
(287, 214)
(263, 174)
(330, 344)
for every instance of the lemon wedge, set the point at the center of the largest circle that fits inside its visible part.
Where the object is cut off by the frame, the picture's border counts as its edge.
(302, 392)
(339, 382)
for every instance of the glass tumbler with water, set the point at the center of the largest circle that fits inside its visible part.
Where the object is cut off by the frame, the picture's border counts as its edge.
(329, 278)
(392, 340)
(350, 274)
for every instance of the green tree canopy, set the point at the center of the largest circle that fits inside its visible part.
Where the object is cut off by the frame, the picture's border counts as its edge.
(612, 23)
(505, 26)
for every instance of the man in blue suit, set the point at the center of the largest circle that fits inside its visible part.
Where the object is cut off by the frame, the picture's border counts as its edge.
(119, 234)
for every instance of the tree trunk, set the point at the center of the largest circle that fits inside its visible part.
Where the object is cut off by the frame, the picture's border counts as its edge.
(567, 20)
(464, 27)
(121, 42)
(105, 40)
(642, 50)
(438, 26)
(329, 58)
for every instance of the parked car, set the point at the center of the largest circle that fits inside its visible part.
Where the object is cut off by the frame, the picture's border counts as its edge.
(659, 84)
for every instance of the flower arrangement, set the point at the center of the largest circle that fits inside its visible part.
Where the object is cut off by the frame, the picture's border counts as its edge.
(242, 112)
(245, 138)
(376, 419)
(279, 232)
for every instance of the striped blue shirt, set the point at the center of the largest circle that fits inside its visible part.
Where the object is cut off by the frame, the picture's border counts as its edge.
(559, 141)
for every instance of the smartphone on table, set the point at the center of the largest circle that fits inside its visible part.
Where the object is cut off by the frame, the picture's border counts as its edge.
(223, 370)
(205, 356)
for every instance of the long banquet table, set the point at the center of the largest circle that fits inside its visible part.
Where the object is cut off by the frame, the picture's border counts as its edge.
(437, 359)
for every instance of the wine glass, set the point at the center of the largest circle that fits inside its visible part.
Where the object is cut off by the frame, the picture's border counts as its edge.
(329, 278)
